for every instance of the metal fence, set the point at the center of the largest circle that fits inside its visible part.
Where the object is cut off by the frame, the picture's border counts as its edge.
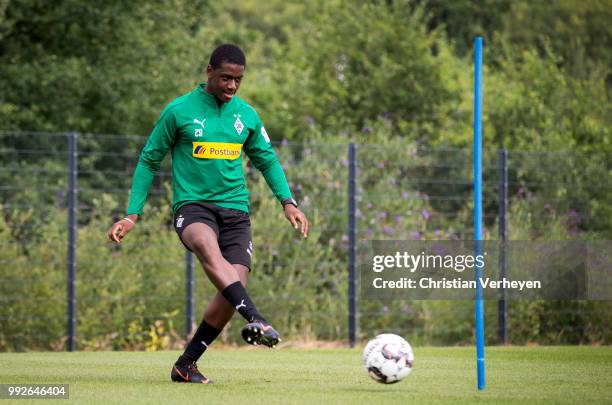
(63, 286)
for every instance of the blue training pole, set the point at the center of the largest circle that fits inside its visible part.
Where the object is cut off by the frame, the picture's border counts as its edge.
(480, 364)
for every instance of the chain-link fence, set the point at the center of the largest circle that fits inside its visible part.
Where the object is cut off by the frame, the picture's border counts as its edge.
(63, 284)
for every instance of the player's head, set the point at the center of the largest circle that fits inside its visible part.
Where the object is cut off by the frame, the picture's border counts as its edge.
(225, 70)
(227, 53)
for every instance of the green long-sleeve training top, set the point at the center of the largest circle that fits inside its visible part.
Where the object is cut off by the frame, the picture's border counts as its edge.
(206, 141)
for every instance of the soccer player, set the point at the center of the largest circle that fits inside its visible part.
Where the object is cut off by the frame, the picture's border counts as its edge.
(206, 131)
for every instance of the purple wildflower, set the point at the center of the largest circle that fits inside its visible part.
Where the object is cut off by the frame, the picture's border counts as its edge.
(381, 215)
(573, 218)
(388, 230)
(425, 214)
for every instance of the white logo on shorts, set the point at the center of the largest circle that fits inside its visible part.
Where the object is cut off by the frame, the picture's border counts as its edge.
(250, 249)
(179, 222)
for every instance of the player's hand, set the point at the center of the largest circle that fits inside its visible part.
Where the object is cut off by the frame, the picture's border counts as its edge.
(120, 229)
(297, 219)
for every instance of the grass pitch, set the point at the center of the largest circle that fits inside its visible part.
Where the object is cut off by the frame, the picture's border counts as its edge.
(284, 376)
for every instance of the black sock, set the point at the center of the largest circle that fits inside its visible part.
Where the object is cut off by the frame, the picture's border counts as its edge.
(238, 297)
(203, 337)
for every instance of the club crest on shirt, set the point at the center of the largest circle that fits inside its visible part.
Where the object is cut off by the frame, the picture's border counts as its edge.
(238, 125)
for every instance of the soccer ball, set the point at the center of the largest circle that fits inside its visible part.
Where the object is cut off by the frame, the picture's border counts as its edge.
(388, 358)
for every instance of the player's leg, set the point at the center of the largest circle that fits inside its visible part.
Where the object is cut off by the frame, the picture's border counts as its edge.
(216, 315)
(219, 311)
(202, 222)
(236, 245)
(202, 240)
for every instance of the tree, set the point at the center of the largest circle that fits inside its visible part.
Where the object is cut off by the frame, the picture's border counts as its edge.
(103, 67)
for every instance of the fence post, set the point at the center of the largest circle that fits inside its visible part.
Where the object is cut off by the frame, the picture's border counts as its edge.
(502, 306)
(352, 235)
(72, 239)
(189, 284)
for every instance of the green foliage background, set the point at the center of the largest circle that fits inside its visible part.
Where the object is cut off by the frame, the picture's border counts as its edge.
(393, 76)
(339, 65)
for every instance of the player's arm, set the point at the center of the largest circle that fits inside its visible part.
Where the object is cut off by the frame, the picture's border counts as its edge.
(149, 162)
(261, 153)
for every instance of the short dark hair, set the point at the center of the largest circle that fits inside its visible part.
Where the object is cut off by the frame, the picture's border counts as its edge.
(227, 53)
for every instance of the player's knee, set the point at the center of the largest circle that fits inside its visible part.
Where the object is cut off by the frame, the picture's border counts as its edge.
(205, 253)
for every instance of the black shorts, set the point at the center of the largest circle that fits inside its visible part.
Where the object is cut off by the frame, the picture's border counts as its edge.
(233, 229)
